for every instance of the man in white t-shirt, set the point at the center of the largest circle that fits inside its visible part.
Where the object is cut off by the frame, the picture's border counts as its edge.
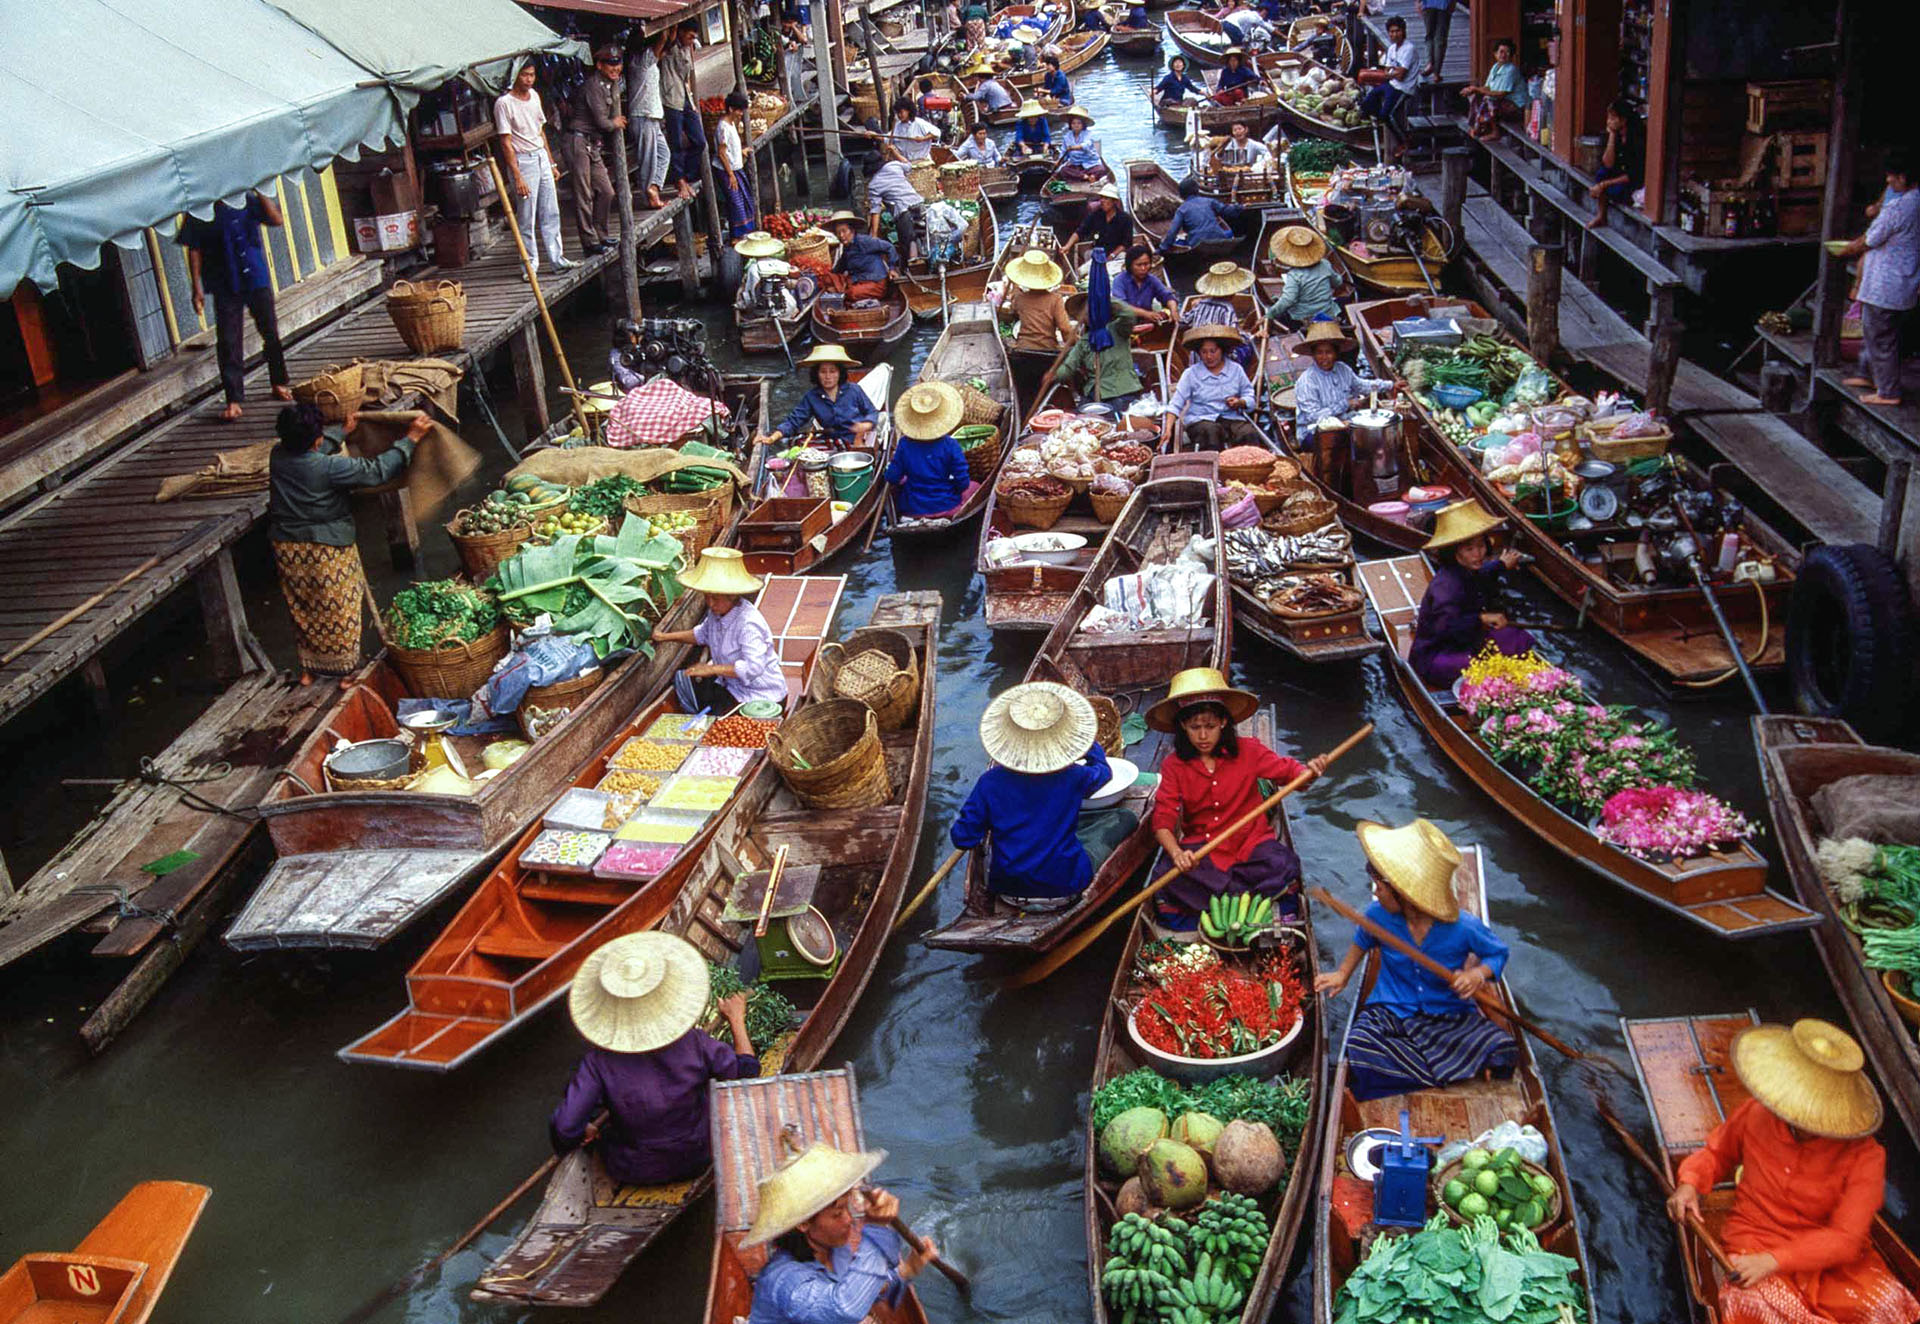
(733, 166)
(522, 124)
(1397, 74)
(647, 117)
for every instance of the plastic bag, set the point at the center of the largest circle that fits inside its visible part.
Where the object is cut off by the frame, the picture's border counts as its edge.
(1535, 387)
(1530, 1144)
(1638, 425)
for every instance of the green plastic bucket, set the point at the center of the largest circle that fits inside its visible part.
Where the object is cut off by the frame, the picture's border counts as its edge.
(851, 475)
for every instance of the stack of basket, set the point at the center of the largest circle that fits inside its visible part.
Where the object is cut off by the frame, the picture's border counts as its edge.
(876, 667)
(711, 508)
(336, 392)
(431, 316)
(925, 178)
(960, 181)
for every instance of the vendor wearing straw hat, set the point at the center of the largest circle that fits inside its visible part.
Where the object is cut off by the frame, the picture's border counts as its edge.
(1417, 1031)
(929, 469)
(1328, 388)
(1046, 761)
(1306, 290)
(836, 406)
(637, 1000)
(1217, 286)
(742, 663)
(1211, 398)
(1811, 1179)
(1080, 157)
(1032, 134)
(1210, 779)
(866, 263)
(1455, 620)
(1036, 303)
(834, 1257)
(1107, 225)
(1237, 77)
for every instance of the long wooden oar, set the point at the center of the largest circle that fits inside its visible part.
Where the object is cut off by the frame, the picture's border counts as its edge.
(953, 1275)
(906, 912)
(73, 614)
(1714, 1248)
(1066, 951)
(1486, 998)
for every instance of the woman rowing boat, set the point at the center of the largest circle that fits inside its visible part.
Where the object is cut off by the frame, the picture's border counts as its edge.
(1417, 1031)
(1811, 1181)
(929, 470)
(1455, 621)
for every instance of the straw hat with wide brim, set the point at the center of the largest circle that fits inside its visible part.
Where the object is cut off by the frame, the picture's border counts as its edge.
(1031, 109)
(1298, 246)
(1039, 726)
(929, 411)
(1110, 191)
(639, 993)
(1419, 861)
(721, 570)
(1034, 270)
(844, 215)
(1212, 331)
(760, 244)
(1078, 113)
(829, 353)
(1810, 1076)
(1459, 522)
(1224, 278)
(1200, 685)
(979, 64)
(807, 1185)
(1324, 333)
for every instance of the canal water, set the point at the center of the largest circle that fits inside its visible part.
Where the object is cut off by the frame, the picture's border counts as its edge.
(331, 1181)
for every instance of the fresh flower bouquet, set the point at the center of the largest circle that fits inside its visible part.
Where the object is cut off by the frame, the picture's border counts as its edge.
(1671, 822)
(1495, 682)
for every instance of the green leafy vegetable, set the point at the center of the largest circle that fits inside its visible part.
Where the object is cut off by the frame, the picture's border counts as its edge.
(436, 613)
(1316, 156)
(606, 497)
(769, 1013)
(1466, 1275)
(628, 581)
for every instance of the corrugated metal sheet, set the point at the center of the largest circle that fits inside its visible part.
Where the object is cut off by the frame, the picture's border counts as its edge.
(760, 1124)
(653, 15)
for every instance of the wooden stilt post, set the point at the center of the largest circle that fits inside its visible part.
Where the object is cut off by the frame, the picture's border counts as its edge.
(1663, 360)
(683, 252)
(530, 378)
(93, 674)
(1831, 294)
(873, 71)
(623, 193)
(826, 86)
(1543, 301)
(228, 637)
(1455, 162)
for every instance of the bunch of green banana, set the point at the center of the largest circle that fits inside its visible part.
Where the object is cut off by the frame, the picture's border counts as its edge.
(1211, 1293)
(1134, 1291)
(1232, 1229)
(1237, 920)
(1143, 1244)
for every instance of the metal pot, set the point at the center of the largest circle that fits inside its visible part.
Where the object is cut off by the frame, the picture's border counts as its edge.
(1376, 445)
(371, 760)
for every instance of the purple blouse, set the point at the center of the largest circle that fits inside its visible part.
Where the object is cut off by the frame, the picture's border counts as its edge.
(656, 1128)
(1449, 620)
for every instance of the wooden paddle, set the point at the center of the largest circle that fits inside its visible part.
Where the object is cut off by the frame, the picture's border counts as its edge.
(1066, 951)
(946, 867)
(1714, 1248)
(953, 1275)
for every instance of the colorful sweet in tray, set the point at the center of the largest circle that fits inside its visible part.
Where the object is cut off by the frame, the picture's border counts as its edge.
(685, 727)
(708, 794)
(636, 860)
(740, 732)
(579, 807)
(657, 829)
(625, 781)
(645, 755)
(718, 761)
(565, 849)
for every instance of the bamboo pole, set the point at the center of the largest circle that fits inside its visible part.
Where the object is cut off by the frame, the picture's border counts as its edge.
(539, 299)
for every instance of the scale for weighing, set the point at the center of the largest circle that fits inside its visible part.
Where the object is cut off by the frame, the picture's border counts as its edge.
(794, 939)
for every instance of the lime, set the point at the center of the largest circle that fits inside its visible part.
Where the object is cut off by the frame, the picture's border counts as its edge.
(1453, 1193)
(1473, 1205)
(1486, 1182)
(1529, 1214)
(1475, 1158)
(1503, 1216)
(1543, 1184)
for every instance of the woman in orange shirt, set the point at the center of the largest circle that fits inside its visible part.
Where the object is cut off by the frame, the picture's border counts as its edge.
(1812, 1180)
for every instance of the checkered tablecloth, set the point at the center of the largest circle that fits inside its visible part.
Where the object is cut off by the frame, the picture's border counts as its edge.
(658, 414)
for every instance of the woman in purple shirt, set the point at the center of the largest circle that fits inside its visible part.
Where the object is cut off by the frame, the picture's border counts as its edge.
(743, 663)
(638, 1000)
(1455, 620)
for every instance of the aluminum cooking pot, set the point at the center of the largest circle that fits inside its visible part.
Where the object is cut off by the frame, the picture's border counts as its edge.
(371, 760)
(1376, 443)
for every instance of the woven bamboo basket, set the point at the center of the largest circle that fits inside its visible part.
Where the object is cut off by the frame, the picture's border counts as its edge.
(960, 180)
(1350, 600)
(453, 672)
(710, 507)
(1029, 513)
(809, 243)
(555, 701)
(1304, 517)
(481, 553)
(430, 316)
(982, 457)
(872, 675)
(830, 756)
(1600, 441)
(336, 392)
(1255, 474)
(977, 406)
(1107, 728)
(925, 178)
(861, 319)
(1107, 505)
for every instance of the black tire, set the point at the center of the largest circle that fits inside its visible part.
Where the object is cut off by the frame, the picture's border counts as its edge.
(841, 185)
(1851, 640)
(733, 268)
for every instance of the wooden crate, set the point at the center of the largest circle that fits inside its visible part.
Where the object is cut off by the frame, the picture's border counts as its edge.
(1799, 211)
(1794, 103)
(1713, 114)
(783, 524)
(1800, 160)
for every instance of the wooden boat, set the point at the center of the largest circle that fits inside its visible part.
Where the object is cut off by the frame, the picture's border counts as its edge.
(1077, 49)
(773, 332)
(1312, 31)
(1187, 27)
(1460, 1111)
(1671, 626)
(1260, 186)
(1798, 756)
(1386, 269)
(1067, 206)
(588, 1228)
(930, 289)
(1269, 274)
(1684, 1067)
(1131, 669)
(1149, 364)
(782, 535)
(970, 349)
(1152, 197)
(1116, 1056)
(515, 944)
(117, 1272)
(1723, 892)
(1260, 109)
(1134, 41)
(1291, 69)
(867, 333)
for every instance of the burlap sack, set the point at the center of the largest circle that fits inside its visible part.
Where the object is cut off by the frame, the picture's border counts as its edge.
(1876, 807)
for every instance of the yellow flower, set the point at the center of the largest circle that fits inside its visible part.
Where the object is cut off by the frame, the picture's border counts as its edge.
(1492, 664)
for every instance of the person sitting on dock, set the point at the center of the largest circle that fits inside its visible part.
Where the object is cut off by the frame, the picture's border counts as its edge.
(1455, 622)
(1036, 302)
(638, 1000)
(1417, 1031)
(1199, 219)
(833, 1260)
(1080, 158)
(1032, 134)
(1396, 76)
(1176, 85)
(1811, 1179)
(1623, 163)
(929, 470)
(890, 189)
(743, 664)
(838, 408)
(866, 262)
(1889, 254)
(1243, 152)
(1046, 762)
(1212, 388)
(1503, 97)
(1107, 225)
(1328, 388)
(1054, 82)
(1106, 375)
(980, 147)
(912, 136)
(1306, 291)
(1237, 79)
(1140, 288)
(1209, 780)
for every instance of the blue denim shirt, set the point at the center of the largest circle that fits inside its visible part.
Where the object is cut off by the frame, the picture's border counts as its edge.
(790, 1292)
(1031, 818)
(836, 417)
(1408, 988)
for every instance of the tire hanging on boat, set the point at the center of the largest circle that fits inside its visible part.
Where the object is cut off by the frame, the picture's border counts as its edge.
(1851, 640)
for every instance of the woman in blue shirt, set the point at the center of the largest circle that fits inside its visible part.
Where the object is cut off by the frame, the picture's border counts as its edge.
(1175, 86)
(1080, 157)
(1140, 288)
(1054, 83)
(1502, 97)
(1416, 1030)
(1237, 75)
(928, 465)
(1040, 736)
(840, 408)
(1032, 135)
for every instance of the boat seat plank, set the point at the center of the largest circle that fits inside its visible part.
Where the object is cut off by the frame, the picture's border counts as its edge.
(346, 899)
(516, 946)
(577, 891)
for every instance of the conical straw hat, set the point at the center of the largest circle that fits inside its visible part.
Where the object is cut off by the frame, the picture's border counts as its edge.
(760, 244)
(721, 570)
(929, 411)
(1224, 278)
(639, 993)
(1031, 109)
(1200, 685)
(1230, 335)
(807, 1185)
(1326, 330)
(1079, 113)
(1418, 860)
(829, 353)
(1039, 726)
(1809, 1076)
(1034, 270)
(1298, 246)
(1459, 522)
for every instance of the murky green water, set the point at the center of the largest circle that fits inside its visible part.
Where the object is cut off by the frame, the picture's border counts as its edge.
(330, 1181)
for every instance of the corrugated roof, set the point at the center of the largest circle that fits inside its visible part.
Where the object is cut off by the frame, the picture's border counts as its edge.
(652, 15)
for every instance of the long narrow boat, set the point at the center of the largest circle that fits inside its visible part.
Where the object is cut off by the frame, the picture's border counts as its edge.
(1131, 669)
(1188, 28)
(1287, 1210)
(588, 1228)
(1670, 625)
(512, 948)
(1150, 186)
(1076, 49)
(1067, 205)
(1686, 1075)
(1724, 892)
(867, 333)
(1290, 77)
(1260, 109)
(1799, 756)
(929, 288)
(117, 1272)
(790, 535)
(970, 350)
(1323, 36)
(1386, 268)
(1462, 1111)
(1133, 41)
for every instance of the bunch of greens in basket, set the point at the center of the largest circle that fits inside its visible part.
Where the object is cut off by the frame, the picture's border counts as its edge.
(607, 590)
(1461, 1275)
(769, 1013)
(606, 497)
(438, 613)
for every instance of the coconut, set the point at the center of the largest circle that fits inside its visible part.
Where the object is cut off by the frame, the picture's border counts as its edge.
(1247, 1158)
(1127, 1138)
(1132, 1199)
(1173, 1174)
(1199, 1130)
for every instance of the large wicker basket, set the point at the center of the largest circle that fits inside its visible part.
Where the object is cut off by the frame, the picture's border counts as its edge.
(336, 392)
(1255, 474)
(1108, 505)
(960, 180)
(830, 756)
(1031, 513)
(983, 457)
(482, 553)
(1303, 517)
(977, 406)
(710, 507)
(542, 707)
(809, 243)
(430, 316)
(889, 686)
(453, 672)
(925, 178)
(1601, 442)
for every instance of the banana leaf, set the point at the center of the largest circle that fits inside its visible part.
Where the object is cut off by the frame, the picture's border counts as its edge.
(629, 579)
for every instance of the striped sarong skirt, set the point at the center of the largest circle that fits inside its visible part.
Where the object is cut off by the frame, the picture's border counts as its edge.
(324, 587)
(1393, 1053)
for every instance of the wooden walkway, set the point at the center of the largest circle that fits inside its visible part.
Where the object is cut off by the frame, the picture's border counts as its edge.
(1458, 69)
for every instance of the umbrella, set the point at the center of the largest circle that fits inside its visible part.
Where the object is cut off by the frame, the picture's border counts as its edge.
(1099, 300)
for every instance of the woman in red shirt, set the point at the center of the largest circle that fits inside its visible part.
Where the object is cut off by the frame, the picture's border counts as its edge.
(1209, 780)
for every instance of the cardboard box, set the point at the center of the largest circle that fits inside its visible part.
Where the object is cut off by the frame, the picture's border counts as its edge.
(393, 193)
(387, 234)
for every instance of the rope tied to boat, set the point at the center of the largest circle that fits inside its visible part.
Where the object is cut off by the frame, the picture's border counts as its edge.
(150, 773)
